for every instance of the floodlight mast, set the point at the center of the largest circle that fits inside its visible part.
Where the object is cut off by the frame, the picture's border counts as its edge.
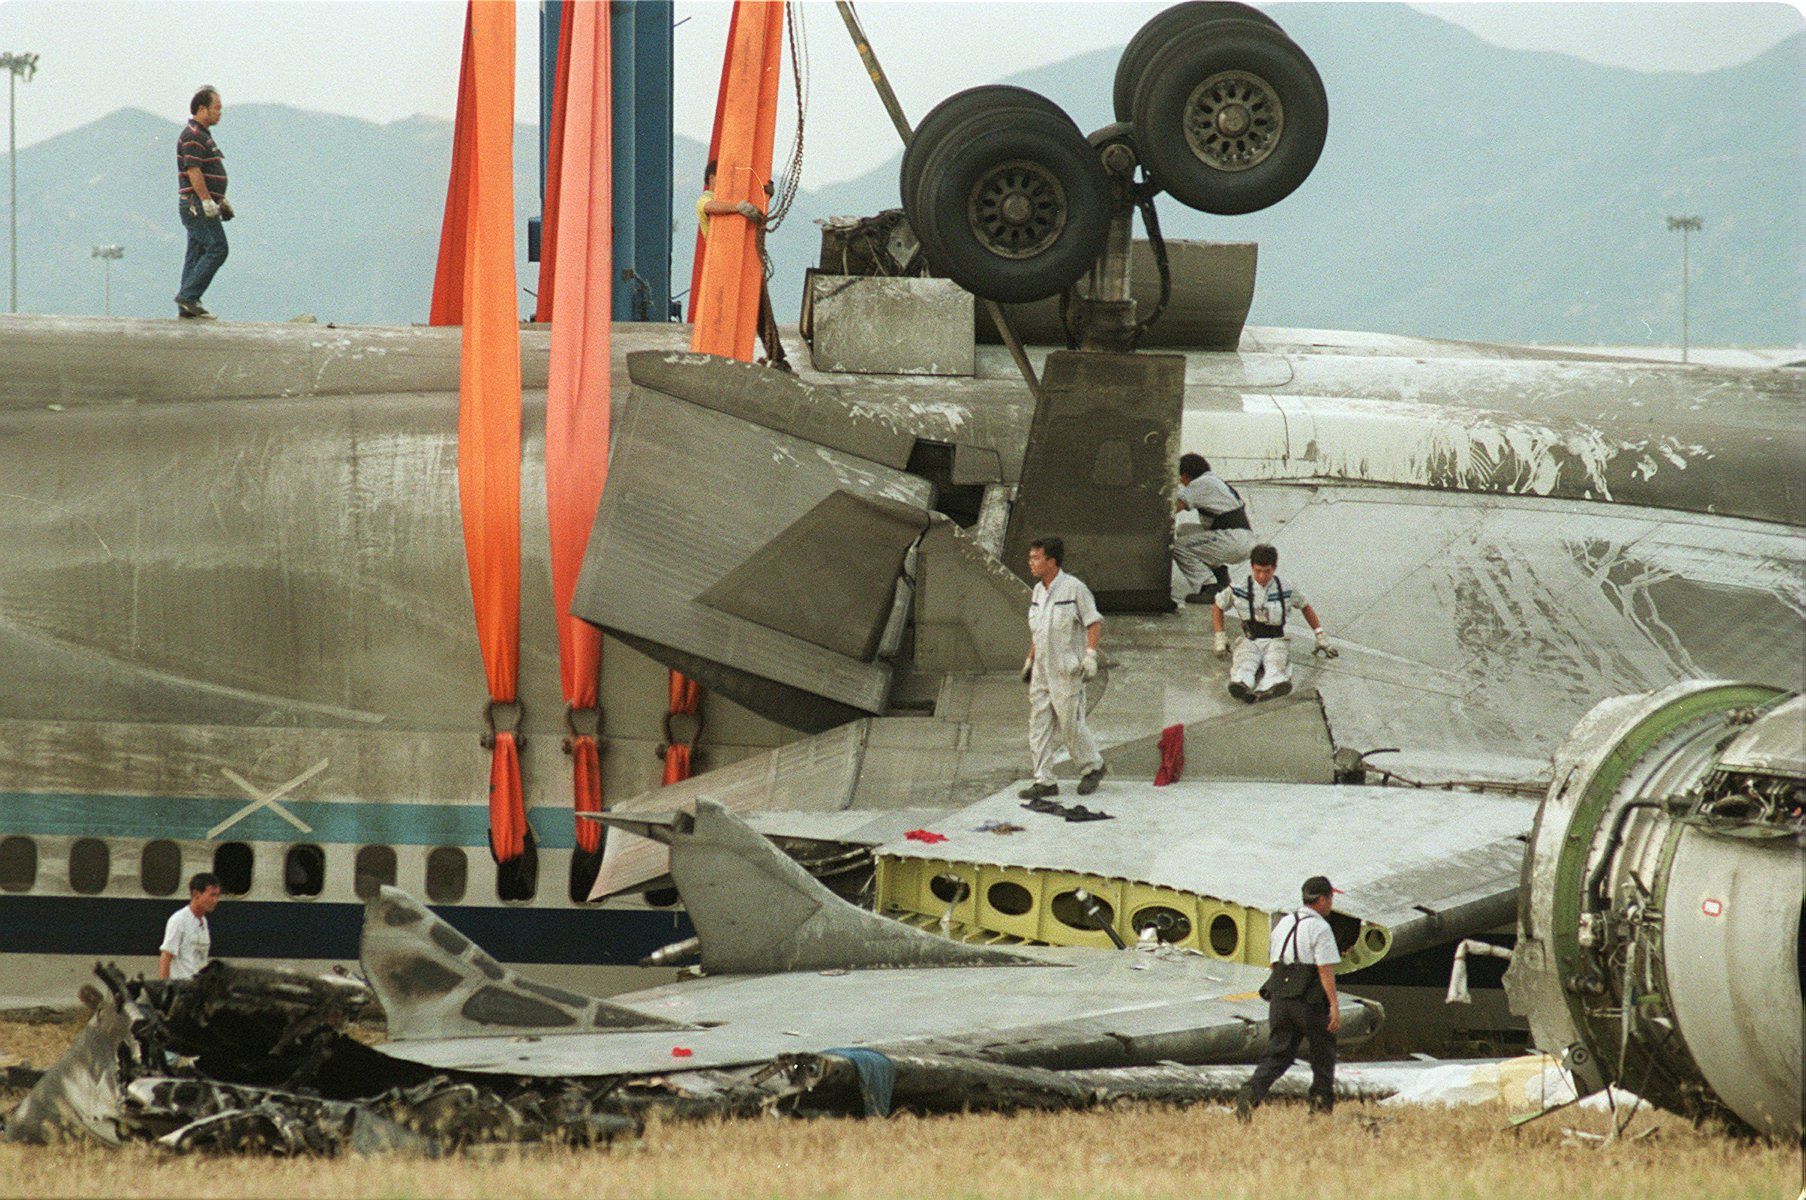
(107, 256)
(17, 66)
(1686, 225)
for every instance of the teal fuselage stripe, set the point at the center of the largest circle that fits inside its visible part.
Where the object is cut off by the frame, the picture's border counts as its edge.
(353, 822)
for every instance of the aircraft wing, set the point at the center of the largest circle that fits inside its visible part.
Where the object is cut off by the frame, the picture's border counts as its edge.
(815, 973)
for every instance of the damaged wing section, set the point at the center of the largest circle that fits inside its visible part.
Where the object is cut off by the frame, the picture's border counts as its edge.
(732, 493)
(757, 912)
(434, 982)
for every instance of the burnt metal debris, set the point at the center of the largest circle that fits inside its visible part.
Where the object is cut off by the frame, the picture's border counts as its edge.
(251, 1061)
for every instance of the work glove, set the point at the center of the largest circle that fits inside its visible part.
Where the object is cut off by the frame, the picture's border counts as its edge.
(210, 208)
(1028, 668)
(1323, 646)
(225, 210)
(1090, 664)
(1219, 642)
(749, 210)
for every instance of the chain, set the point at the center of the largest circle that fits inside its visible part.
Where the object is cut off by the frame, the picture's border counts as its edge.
(793, 168)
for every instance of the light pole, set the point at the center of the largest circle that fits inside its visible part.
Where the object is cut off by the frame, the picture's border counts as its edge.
(17, 66)
(107, 255)
(1686, 225)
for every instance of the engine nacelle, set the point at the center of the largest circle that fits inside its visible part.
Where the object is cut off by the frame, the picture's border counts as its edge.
(1660, 940)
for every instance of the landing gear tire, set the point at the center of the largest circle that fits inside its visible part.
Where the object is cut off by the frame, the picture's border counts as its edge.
(1015, 205)
(1152, 37)
(954, 111)
(1230, 117)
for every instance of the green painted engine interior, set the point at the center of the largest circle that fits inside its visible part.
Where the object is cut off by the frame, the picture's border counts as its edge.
(1600, 1035)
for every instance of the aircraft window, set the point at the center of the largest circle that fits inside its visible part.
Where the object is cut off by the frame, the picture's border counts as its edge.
(447, 875)
(1168, 924)
(949, 889)
(90, 865)
(160, 867)
(18, 864)
(304, 870)
(1225, 935)
(1069, 912)
(661, 897)
(518, 880)
(232, 862)
(374, 868)
(1010, 899)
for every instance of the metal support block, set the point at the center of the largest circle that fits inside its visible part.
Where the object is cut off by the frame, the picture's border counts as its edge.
(1099, 474)
(891, 326)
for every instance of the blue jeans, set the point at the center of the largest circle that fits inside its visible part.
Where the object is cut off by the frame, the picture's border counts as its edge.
(206, 251)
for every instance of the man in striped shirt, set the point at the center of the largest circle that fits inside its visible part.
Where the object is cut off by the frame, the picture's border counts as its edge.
(201, 201)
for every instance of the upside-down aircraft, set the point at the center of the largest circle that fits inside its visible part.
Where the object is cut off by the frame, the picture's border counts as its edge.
(236, 614)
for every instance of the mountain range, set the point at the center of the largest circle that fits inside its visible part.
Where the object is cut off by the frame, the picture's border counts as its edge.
(1465, 191)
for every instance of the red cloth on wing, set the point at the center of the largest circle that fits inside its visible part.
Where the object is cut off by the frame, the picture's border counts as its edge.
(577, 377)
(489, 412)
(1172, 755)
(447, 307)
(925, 835)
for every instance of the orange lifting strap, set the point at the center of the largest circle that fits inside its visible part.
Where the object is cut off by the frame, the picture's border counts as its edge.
(724, 286)
(489, 409)
(448, 279)
(577, 395)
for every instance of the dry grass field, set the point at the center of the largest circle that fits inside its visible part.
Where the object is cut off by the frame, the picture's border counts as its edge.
(1364, 1150)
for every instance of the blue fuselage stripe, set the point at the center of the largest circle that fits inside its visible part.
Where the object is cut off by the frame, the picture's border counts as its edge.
(352, 822)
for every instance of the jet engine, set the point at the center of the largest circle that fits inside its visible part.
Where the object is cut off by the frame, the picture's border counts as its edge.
(1660, 938)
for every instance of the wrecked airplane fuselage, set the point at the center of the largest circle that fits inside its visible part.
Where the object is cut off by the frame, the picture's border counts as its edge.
(821, 1006)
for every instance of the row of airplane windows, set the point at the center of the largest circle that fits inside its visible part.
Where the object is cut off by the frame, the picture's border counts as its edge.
(162, 872)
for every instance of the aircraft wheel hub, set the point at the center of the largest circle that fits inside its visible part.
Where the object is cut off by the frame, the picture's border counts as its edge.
(1233, 121)
(1017, 209)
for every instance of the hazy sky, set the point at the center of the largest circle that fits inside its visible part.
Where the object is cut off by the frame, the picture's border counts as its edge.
(388, 59)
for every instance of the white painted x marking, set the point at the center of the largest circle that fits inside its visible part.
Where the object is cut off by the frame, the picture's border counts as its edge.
(262, 799)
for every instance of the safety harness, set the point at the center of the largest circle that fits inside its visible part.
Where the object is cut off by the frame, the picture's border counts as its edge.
(1254, 629)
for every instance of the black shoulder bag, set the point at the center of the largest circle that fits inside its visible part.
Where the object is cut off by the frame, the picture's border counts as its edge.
(1289, 980)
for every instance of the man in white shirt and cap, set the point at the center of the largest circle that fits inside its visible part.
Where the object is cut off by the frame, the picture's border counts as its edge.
(1302, 937)
(1262, 667)
(1064, 627)
(187, 941)
(1205, 551)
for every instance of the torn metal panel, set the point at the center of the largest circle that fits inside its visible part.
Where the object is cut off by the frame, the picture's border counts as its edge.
(968, 606)
(78, 1098)
(828, 578)
(666, 533)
